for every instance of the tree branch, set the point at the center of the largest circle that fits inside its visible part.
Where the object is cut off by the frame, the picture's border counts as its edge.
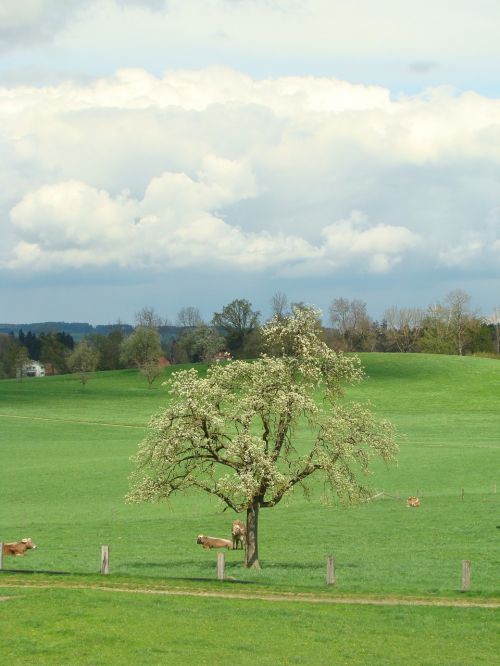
(307, 471)
(217, 493)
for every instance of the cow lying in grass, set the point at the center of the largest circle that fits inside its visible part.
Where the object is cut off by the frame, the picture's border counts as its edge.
(239, 532)
(214, 542)
(18, 548)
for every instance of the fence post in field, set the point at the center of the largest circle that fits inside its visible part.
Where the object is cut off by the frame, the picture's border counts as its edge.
(465, 575)
(330, 570)
(105, 560)
(220, 566)
(1, 556)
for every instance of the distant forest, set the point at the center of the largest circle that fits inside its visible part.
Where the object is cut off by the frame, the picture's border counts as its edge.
(450, 327)
(78, 330)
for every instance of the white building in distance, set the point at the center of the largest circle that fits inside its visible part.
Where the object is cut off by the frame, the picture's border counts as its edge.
(34, 369)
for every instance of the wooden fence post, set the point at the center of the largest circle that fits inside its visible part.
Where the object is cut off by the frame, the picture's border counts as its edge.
(1, 556)
(105, 560)
(220, 566)
(330, 570)
(465, 575)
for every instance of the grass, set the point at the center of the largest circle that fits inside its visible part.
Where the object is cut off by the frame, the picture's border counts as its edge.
(64, 463)
(64, 468)
(95, 627)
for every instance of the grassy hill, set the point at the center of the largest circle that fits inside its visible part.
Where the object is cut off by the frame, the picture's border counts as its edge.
(64, 461)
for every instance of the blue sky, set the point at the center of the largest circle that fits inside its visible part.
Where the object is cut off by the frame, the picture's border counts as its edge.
(175, 153)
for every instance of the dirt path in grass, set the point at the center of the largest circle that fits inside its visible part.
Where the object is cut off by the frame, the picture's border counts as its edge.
(94, 423)
(287, 597)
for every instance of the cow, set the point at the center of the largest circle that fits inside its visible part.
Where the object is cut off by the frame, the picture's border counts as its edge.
(413, 501)
(18, 548)
(214, 542)
(239, 532)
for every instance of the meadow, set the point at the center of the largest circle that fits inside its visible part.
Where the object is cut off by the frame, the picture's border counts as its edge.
(64, 464)
(95, 627)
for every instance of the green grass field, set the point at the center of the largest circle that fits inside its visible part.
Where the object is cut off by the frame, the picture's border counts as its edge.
(64, 463)
(91, 627)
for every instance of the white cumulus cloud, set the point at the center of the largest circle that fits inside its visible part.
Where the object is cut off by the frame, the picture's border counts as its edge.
(212, 166)
(378, 247)
(71, 224)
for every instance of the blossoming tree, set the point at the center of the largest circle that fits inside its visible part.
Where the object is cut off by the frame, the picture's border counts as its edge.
(231, 434)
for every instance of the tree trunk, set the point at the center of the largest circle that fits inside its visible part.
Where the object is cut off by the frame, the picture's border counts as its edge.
(252, 547)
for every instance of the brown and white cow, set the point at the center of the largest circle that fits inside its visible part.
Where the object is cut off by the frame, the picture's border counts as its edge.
(413, 501)
(18, 548)
(214, 542)
(239, 532)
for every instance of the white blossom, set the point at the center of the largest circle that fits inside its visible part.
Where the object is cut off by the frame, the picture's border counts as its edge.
(233, 433)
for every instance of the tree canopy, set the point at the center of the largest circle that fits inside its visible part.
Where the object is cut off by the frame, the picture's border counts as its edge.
(239, 323)
(200, 343)
(232, 433)
(143, 348)
(83, 360)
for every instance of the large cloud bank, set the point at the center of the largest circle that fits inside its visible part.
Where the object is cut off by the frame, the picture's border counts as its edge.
(294, 175)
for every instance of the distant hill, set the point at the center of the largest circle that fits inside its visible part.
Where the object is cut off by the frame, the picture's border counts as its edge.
(79, 330)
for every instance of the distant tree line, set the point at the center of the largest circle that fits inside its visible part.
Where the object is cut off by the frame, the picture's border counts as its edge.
(78, 330)
(448, 327)
(49, 348)
(54, 350)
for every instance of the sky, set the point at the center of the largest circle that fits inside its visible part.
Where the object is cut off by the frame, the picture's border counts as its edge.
(173, 153)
